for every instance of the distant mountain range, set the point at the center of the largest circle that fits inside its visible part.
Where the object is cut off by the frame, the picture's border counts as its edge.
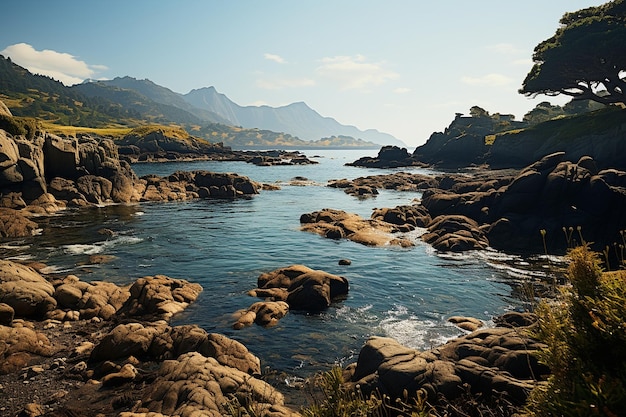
(297, 119)
(127, 101)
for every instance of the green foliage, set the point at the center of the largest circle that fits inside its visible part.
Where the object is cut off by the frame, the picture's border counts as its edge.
(337, 400)
(24, 126)
(585, 334)
(586, 57)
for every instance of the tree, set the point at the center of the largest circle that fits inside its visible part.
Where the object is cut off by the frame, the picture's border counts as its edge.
(585, 59)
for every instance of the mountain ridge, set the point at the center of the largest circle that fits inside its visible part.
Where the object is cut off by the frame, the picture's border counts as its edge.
(297, 118)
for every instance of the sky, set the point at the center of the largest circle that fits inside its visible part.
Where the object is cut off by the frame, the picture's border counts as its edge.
(403, 67)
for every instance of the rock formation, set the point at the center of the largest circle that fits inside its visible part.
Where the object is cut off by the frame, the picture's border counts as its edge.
(492, 362)
(296, 287)
(337, 224)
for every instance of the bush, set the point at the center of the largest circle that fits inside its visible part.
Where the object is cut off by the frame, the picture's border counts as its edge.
(585, 334)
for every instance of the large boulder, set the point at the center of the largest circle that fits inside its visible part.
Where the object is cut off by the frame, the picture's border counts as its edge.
(160, 296)
(159, 341)
(303, 288)
(455, 233)
(14, 224)
(27, 292)
(196, 385)
(497, 361)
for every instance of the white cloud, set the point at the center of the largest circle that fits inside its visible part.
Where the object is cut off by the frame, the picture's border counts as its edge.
(497, 80)
(58, 65)
(354, 72)
(401, 90)
(505, 48)
(276, 58)
(281, 83)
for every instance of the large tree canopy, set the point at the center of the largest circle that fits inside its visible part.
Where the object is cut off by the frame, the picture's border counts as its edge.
(585, 59)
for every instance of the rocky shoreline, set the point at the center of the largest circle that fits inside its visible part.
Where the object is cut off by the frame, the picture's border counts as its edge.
(80, 348)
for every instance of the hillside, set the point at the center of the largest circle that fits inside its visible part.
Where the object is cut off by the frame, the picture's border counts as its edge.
(127, 102)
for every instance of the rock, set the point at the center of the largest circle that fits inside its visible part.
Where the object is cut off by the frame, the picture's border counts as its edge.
(61, 157)
(337, 224)
(466, 323)
(497, 361)
(196, 385)
(32, 410)
(159, 341)
(27, 292)
(18, 339)
(388, 157)
(306, 288)
(95, 189)
(14, 224)
(126, 374)
(6, 314)
(455, 233)
(126, 340)
(160, 296)
(263, 313)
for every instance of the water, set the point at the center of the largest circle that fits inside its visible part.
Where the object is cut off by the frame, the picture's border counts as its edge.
(405, 293)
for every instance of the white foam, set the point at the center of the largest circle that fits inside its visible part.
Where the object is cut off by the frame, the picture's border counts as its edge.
(99, 247)
(414, 332)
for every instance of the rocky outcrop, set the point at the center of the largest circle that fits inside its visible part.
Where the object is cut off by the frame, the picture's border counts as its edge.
(263, 313)
(197, 385)
(18, 343)
(399, 181)
(27, 292)
(295, 287)
(388, 157)
(337, 224)
(197, 184)
(566, 201)
(14, 224)
(80, 170)
(492, 362)
(455, 233)
(159, 341)
(159, 296)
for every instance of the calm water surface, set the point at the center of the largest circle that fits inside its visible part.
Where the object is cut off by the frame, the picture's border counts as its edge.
(407, 294)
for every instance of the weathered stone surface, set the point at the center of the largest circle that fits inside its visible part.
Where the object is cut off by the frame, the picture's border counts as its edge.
(160, 296)
(27, 292)
(494, 361)
(306, 288)
(6, 314)
(466, 323)
(338, 224)
(14, 224)
(263, 313)
(196, 385)
(159, 341)
(455, 233)
(93, 299)
(21, 341)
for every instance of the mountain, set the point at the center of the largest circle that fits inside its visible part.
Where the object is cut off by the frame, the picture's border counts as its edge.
(128, 102)
(297, 119)
(163, 96)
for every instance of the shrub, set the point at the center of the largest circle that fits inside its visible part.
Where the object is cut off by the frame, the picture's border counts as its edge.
(585, 334)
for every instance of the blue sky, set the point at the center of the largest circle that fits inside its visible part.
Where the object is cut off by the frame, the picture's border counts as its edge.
(404, 67)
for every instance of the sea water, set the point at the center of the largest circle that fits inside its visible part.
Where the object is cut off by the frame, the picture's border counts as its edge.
(404, 293)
